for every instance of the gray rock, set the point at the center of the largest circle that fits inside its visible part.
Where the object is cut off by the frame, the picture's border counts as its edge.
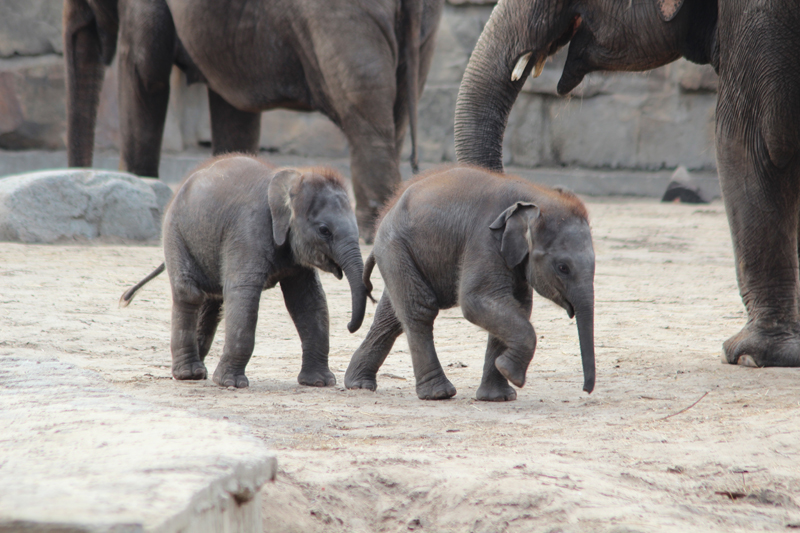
(55, 205)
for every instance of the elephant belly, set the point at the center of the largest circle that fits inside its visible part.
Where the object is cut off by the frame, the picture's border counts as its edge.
(242, 52)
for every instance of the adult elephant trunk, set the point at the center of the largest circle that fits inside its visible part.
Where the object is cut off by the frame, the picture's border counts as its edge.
(584, 316)
(487, 90)
(518, 38)
(348, 257)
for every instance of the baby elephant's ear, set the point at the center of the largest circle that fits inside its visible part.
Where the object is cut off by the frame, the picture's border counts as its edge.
(280, 203)
(515, 223)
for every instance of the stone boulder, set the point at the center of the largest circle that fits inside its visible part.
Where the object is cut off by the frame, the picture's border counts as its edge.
(78, 204)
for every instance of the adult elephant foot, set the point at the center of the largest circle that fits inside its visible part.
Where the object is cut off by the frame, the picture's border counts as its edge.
(227, 377)
(436, 387)
(316, 378)
(496, 391)
(757, 346)
(194, 370)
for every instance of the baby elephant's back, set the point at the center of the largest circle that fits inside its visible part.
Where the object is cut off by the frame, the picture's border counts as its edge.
(447, 206)
(222, 204)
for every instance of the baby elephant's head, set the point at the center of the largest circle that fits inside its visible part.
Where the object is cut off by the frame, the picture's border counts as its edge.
(312, 213)
(560, 263)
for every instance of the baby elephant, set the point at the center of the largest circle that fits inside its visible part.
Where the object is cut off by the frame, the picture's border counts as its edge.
(467, 236)
(237, 227)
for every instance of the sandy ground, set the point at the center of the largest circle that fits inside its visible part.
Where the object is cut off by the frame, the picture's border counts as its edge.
(626, 458)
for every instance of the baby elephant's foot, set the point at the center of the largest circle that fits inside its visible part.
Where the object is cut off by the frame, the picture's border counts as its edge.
(496, 392)
(435, 387)
(316, 378)
(512, 370)
(225, 377)
(194, 370)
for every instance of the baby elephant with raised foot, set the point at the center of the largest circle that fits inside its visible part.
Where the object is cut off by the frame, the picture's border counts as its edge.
(237, 227)
(470, 237)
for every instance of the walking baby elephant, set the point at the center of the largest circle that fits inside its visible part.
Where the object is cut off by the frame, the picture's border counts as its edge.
(483, 240)
(237, 227)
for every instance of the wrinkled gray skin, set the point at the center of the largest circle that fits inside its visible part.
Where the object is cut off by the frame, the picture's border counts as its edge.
(237, 227)
(360, 62)
(755, 47)
(476, 239)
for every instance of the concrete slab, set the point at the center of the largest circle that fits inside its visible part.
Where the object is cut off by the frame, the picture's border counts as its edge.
(78, 456)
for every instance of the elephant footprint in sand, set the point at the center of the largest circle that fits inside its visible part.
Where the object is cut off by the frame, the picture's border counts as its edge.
(484, 241)
(236, 227)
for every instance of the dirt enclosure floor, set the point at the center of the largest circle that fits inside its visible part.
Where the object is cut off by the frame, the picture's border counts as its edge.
(628, 458)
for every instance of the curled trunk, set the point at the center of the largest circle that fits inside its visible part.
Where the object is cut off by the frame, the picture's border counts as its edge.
(487, 91)
(348, 257)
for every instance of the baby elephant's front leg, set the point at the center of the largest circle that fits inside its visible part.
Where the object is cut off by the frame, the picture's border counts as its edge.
(305, 301)
(241, 315)
(506, 321)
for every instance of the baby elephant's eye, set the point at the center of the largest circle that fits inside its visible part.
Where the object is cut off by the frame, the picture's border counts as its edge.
(324, 231)
(564, 269)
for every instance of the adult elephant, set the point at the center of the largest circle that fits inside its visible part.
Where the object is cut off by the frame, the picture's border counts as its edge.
(360, 62)
(755, 47)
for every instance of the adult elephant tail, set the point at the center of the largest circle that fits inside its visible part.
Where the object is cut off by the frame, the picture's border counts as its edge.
(412, 15)
(128, 295)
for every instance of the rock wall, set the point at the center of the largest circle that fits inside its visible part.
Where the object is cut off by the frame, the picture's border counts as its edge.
(655, 120)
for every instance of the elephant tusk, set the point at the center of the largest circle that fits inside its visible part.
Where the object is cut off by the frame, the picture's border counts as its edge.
(537, 70)
(519, 68)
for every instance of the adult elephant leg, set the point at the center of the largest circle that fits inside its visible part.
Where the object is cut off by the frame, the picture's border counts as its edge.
(232, 130)
(305, 301)
(84, 66)
(363, 368)
(146, 50)
(762, 203)
(357, 54)
(374, 166)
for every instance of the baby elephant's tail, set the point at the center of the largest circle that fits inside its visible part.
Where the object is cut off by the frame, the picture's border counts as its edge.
(126, 298)
(369, 264)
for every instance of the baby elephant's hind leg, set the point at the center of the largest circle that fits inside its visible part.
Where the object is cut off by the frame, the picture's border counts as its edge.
(186, 361)
(207, 325)
(363, 369)
(241, 315)
(417, 309)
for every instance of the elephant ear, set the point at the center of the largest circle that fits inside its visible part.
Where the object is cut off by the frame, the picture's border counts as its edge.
(280, 203)
(668, 8)
(515, 223)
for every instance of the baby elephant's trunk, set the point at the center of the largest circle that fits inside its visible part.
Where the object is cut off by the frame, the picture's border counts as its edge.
(584, 316)
(349, 259)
